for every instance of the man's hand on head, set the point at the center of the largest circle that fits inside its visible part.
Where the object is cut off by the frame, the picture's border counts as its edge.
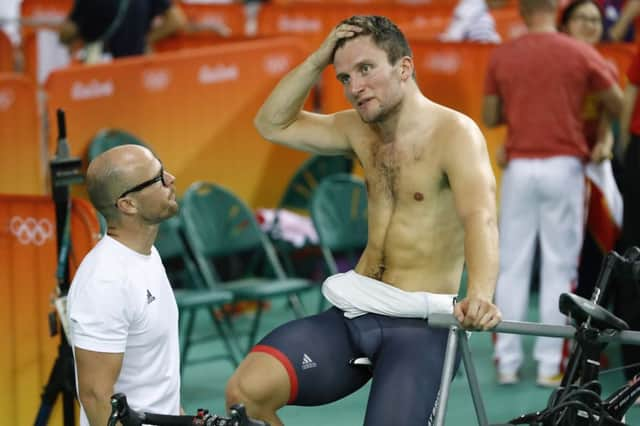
(323, 56)
(475, 313)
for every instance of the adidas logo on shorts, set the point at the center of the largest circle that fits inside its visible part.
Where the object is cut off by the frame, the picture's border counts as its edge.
(307, 362)
(150, 297)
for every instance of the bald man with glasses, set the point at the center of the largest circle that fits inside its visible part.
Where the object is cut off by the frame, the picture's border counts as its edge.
(122, 312)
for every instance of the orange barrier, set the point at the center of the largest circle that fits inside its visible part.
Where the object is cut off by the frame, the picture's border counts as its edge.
(315, 20)
(20, 137)
(194, 108)
(201, 18)
(6, 53)
(44, 9)
(28, 261)
(418, 20)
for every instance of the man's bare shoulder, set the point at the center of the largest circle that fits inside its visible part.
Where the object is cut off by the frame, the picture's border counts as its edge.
(450, 124)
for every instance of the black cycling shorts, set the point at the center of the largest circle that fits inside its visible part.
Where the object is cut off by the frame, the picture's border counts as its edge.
(406, 353)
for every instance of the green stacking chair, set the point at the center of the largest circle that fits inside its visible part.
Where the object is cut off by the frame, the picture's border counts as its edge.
(193, 294)
(297, 195)
(339, 214)
(218, 226)
(298, 192)
(106, 139)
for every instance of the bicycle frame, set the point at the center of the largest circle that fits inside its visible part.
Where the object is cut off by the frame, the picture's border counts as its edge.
(619, 401)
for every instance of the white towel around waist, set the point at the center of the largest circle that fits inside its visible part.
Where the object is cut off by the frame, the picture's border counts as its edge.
(357, 295)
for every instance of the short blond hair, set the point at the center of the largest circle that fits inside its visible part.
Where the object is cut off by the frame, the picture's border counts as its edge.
(528, 7)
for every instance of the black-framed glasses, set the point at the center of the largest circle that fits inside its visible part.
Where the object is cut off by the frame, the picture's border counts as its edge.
(594, 20)
(143, 185)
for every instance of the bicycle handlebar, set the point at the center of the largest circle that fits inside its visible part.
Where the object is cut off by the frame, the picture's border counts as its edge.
(120, 411)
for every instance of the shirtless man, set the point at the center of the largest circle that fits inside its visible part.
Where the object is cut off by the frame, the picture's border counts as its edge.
(431, 207)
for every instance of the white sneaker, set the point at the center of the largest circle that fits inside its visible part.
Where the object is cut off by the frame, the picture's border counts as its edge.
(550, 381)
(508, 378)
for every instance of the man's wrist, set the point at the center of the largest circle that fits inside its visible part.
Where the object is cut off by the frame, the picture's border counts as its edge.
(480, 295)
(316, 63)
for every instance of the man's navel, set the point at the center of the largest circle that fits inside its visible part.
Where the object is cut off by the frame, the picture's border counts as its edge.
(418, 196)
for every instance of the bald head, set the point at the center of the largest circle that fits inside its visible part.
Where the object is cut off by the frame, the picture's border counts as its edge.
(113, 172)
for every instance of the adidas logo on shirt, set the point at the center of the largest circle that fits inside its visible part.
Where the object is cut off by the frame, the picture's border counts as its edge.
(307, 362)
(150, 297)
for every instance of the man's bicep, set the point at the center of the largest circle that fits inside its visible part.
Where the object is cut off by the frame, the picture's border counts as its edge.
(97, 371)
(471, 176)
(316, 133)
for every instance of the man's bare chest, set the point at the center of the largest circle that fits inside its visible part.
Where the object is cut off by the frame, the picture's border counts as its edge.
(404, 173)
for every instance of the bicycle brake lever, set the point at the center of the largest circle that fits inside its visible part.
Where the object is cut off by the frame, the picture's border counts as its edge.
(240, 417)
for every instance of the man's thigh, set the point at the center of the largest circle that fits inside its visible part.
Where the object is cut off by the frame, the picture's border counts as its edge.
(316, 352)
(407, 373)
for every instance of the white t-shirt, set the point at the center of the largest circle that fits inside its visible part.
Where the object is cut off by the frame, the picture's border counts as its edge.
(120, 301)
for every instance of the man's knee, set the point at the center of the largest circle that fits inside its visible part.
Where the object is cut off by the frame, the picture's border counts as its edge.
(234, 393)
(260, 383)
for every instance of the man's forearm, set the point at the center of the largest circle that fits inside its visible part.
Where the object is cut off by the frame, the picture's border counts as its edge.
(287, 99)
(172, 21)
(605, 133)
(629, 12)
(630, 94)
(481, 254)
(98, 408)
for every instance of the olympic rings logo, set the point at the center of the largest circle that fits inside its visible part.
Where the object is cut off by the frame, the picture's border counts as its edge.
(30, 230)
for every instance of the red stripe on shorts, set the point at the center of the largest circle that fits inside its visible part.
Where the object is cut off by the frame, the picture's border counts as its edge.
(293, 377)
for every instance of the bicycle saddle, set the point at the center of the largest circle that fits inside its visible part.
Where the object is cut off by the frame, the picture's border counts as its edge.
(580, 309)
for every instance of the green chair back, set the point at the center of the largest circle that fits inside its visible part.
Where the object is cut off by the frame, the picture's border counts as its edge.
(110, 138)
(217, 223)
(299, 189)
(339, 213)
(175, 255)
(168, 242)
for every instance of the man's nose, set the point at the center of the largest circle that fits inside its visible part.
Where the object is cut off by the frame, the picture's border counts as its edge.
(169, 178)
(356, 86)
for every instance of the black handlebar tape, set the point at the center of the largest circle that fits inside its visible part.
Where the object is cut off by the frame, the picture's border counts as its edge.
(168, 420)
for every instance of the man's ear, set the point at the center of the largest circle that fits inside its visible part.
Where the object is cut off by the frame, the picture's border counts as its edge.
(406, 68)
(127, 206)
